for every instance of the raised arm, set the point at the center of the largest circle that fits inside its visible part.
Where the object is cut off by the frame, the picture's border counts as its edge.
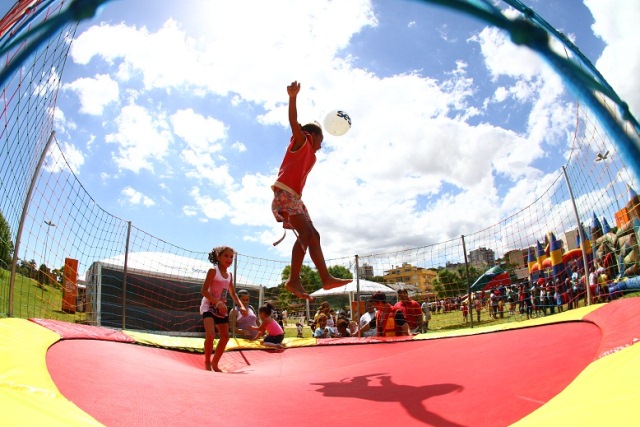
(293, 89)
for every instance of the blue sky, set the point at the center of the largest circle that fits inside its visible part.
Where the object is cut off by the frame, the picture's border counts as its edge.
(174, 116)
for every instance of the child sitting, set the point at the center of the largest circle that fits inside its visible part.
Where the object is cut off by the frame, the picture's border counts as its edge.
(275, 334)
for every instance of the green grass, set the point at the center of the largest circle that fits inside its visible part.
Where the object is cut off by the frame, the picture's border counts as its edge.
(31, 299)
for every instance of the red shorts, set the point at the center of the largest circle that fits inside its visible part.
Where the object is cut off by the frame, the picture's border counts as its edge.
(285, 205)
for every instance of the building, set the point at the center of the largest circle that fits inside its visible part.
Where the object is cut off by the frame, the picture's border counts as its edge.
(419, 277)
(482, 256)
(518, 259)
(365, 272)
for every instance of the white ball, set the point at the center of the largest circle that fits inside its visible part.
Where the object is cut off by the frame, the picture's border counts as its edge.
(337, 122)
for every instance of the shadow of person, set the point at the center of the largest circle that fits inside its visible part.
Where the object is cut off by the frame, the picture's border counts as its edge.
(410, 397)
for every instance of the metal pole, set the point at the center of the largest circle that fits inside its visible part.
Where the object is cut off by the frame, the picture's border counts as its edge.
(466, 264)
(46, 245)
(124, 277)
(357, 286)
(232, 325)
(582, 238)
(23, 216)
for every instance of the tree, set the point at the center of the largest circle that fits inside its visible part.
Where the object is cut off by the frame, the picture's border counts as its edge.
(340, 272)
(309, 278)
(6, 245)
(447, 283)
(28, 269)
(44, 275)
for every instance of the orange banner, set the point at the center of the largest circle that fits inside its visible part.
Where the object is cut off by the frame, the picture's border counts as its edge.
(70, 285)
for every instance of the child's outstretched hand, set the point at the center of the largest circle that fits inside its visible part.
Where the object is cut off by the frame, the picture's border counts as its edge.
(293, 88)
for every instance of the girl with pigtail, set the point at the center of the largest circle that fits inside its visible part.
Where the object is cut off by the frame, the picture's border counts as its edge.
(217, 285)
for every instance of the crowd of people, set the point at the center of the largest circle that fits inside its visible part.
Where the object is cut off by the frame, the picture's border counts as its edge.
(545, 296)
(380, 317)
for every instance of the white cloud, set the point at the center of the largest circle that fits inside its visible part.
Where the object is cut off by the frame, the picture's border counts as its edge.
(135, 197)
(58, 156)
(95, 93)
(209, 207)
(140, 138)
(616, 22)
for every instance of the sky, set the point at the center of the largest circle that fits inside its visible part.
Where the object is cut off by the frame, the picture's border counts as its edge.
(173, 115)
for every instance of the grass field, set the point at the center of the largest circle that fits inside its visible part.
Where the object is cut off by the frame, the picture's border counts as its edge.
(31, 299)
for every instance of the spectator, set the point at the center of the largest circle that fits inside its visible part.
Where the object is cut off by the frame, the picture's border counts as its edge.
(366, 318)
(410, 309)
(242, 324)
(465, 312)
(388, 321)
(299, 328)
(478, 306)
(322, 330)
(426, 315)
(342, 328)
(494, 298)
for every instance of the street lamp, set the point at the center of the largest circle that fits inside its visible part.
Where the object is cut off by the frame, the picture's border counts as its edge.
(603, 158)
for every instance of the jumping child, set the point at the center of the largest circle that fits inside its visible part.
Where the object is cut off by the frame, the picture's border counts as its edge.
(213, 308)
(287, 205)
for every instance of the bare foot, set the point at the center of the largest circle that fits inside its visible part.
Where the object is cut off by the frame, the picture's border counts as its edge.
(297, 289)
(207, 366)
(333, 282)
(216, 369)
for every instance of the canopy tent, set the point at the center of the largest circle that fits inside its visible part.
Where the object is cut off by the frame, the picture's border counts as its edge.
(493, 277)
(366, 287)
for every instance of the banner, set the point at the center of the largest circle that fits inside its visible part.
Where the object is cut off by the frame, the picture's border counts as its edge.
(70, 285)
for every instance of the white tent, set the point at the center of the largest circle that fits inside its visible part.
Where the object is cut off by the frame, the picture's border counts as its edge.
(366, 287)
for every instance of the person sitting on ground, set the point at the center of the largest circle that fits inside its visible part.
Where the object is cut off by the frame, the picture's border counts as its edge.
(270, 327)
(241, 325)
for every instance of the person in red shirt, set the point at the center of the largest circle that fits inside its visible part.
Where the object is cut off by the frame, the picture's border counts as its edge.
(287, 205)
(410, 309)
(388, 321)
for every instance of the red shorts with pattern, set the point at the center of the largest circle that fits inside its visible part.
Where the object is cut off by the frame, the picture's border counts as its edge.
(285, 205)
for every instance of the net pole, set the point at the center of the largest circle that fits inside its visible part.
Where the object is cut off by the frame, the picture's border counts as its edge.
(124, 277)
(466, 265)
(582, 237)
(357, 304)
(232, 325)
(23, 217)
